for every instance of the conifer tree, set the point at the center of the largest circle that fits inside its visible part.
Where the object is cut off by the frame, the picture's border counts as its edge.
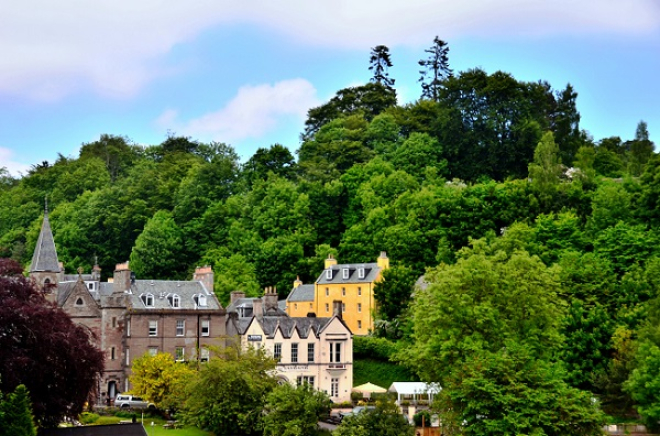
(16, 414)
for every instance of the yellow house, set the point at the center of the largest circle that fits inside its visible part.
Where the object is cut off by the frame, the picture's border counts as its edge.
(350, 284)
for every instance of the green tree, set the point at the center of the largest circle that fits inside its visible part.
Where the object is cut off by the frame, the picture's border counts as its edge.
(114, 151)
(16, 414)
(434, 69)
(156, 250)
(229, 395)
(385, 420)
(232, 273)
(160, 379)
(294, 411)
(546, 168)
(276, 159)
(392, 294)
(379, 62)
(644, 384)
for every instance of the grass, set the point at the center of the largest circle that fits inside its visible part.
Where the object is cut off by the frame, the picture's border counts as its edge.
(157, 429)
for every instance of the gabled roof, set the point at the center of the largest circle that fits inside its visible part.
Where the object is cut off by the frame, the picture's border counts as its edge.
(371, 271)
(305, 326)
(163, 292)
(301, 293)
(243, 306)
(45, 255)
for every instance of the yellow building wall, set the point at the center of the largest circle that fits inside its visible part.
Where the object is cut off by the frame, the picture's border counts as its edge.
(301, 308)
(358, 302)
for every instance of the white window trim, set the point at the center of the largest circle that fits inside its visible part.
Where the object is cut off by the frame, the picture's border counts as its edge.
(361, 273)
(155, 331)
(206, 323)
(344, 273)
(182, 328)
(328, 274)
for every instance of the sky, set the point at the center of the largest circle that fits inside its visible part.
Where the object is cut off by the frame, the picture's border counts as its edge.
(246, 73)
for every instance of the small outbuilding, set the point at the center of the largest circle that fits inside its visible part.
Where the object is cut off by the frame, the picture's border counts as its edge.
(414, 392)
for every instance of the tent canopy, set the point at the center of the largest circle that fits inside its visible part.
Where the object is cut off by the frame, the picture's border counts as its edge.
(369, 388)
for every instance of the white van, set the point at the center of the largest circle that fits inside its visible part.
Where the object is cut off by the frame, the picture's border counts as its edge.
(126, 401)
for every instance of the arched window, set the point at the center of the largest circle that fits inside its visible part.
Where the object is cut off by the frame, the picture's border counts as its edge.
(148, 299)
(47, 281)
(79, 302)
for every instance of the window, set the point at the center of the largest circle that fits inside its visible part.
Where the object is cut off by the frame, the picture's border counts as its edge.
(128, 327)
(327, 307)
(79, 302)
(343, 292)
(128, 356)
(202, 300)
(310, 305)
(153, 328)
(344, 273)
(179, 354)
(114, 321)
(327, 292)
(335, 352)
(175, 300)
(153, 351)
(180, 327)
(206, 327)
(334, 387)
(359, 291)
(310, 352)
(359, 324)
(148, 299)
(277, 352)
(91, 286)
(328, 274)
(112, 353)
(305, 379)
(359, 307)
(204, 355)
(343, 307)
(361, 273)
(295, 305)
(294, 353)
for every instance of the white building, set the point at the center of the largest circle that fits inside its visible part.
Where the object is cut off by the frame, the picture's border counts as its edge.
(318, 351)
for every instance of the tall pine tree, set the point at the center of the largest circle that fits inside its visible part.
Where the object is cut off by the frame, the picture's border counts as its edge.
(435, 69)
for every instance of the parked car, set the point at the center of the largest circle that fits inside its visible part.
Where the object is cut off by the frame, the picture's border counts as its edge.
(355, 411)
(127, 401)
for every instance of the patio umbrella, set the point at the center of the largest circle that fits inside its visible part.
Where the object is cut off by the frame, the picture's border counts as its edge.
(369, 388)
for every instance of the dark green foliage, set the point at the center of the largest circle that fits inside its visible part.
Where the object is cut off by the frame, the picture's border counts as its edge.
(379, 63)
(16, 413)
(385, 420)
(434, 69)
(294, 411)
(393, 292)
(378, 372)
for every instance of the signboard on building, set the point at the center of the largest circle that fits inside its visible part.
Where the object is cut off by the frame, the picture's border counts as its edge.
(254, 338)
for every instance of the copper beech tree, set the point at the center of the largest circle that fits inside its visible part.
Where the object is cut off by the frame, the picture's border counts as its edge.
(41, 348)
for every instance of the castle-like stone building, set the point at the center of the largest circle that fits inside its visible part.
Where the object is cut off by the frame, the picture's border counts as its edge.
(130, 317)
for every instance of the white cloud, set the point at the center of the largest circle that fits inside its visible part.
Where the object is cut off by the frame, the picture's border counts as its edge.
(14, 168)
(253, 112)
(50, 49)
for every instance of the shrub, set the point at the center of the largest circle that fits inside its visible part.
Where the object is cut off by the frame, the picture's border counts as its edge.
(88, 418)
(417, 418)
(373, 348)
(356, 396)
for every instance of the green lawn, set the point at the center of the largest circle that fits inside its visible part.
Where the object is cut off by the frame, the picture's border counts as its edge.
(379, 372)
(157, 429)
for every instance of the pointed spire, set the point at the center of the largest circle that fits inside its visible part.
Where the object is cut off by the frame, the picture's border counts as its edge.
(45, 255)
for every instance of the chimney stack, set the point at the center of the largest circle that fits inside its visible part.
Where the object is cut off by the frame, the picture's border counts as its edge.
(204, 274)
(330, 261)
(235, 296)
(336, 308)
(297, 282)
(257, 307)
(383, 261)
(270, 299)
(121, 278)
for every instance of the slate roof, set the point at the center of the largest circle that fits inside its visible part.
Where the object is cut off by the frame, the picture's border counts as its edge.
(301, 293)
(64, 289)
(163, 292)
(287, 325)
(243, 306)
(371, 271)
(45, 255)
(74, 277)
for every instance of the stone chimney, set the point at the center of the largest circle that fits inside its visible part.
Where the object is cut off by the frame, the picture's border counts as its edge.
(297, 282)
(383, 261)
(204, 274)
(330, 261)
(270, 299)
(96, 272)
(257, 307)
(235, 296)
(121, 278)
(336, 309)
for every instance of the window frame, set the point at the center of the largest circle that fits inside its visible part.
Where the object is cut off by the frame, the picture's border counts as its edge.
(180, 327)
(179, 354)
(294, 352)
(277, 351)
(153, 328)
(311, 352)
(205, 326)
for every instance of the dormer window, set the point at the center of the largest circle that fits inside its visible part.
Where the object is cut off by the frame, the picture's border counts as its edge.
(361, 272)
(328, 274)
(202, 300)
(344, 273)
(148, 299)
(174, 299)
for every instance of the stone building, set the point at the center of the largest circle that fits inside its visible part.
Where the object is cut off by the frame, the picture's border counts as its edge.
(309, 349)
(351, 284)
(130, 317)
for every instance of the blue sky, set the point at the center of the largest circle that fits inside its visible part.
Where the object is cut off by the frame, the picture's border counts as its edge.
(246, 73)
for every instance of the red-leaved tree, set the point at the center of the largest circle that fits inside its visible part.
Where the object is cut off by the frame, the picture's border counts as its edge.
(43, 349)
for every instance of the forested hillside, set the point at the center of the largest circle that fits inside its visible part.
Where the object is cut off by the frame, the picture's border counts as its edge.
(480, 156)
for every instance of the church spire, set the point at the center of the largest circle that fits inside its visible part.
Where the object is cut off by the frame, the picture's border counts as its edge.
(45, 256)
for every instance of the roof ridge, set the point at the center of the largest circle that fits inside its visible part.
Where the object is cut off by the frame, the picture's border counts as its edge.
(45, 253)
